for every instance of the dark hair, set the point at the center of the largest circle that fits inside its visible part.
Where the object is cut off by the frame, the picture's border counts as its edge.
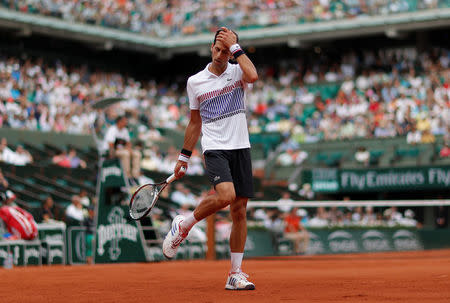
(221, 30)
(120, 118)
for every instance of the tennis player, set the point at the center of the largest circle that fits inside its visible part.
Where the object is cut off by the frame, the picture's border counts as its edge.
(217, 102)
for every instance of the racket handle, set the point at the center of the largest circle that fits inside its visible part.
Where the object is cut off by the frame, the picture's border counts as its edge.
(172, 176)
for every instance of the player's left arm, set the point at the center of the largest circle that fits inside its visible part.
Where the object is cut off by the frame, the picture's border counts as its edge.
(229, 39)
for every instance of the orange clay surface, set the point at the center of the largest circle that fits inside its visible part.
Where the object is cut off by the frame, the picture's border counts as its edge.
(379, 277)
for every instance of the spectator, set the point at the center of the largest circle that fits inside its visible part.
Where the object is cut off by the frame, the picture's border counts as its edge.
(6, 154)
(47, 210)
(183, 196)
(62, 159)
(445, 151)
(295, 231)
(22, 157)
(89, 223)
(320, 219)
(117, 140)
(414, 136)
(84, 198)
(362, 156)
(283, 203)
(75, 161)
(369, 218)
(306, 192)
(427, 137)
(408, 219)
(74, 212)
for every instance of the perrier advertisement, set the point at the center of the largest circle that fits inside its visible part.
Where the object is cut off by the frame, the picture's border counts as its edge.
(118, 238)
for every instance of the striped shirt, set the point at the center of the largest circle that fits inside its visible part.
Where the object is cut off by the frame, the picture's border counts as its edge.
(221, 102)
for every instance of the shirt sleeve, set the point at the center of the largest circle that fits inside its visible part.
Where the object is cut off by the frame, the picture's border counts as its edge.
(193, 102)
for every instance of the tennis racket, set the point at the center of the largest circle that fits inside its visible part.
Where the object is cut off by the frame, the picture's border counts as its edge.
(145, 197)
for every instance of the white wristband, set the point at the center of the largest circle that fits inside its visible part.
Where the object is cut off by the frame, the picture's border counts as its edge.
(234, 48)
(183, 158)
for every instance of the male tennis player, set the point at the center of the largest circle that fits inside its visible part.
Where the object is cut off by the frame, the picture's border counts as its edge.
(217, 102)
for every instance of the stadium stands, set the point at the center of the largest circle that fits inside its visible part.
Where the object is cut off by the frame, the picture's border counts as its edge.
(187, 17)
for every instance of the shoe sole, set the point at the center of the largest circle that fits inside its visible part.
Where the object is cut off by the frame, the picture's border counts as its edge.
(248, 287)
(167, 256)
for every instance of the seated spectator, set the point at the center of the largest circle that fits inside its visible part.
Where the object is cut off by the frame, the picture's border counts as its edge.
(306, 192)
(283, 203)
(48, 211)
(274, 221)
(427, 137)
(414, 136)
(291, 157)
(117, 143)
(392, 216)
(183, 195)
(74, 212)
(61, 159)
(408, 219)
(21, 157)
(295, 231)
(445, 151)
(320, 219)
(369, 218)
(75, 161)
(84, 198)
(6, 154)
(362, 155)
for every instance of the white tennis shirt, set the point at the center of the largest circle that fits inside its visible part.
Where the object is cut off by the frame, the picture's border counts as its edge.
(221, 102)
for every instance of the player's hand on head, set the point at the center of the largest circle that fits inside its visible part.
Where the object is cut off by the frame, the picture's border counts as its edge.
(180, 169)
(227, 37)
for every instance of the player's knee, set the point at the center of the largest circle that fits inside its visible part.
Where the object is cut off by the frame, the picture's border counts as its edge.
(225, 199)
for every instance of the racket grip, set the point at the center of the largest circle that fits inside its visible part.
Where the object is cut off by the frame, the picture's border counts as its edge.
(172, 177)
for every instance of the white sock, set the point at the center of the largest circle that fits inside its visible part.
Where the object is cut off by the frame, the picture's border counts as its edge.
(236, 261)
(188, 222)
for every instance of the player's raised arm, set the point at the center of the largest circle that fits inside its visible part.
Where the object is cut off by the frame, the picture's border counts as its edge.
(191, 135)
(229, 39)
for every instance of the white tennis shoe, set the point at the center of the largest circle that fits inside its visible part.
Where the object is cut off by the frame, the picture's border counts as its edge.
(238, 281)
(174, 238)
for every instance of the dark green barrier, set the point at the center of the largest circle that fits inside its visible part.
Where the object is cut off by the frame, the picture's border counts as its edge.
(259, 243)
(53, 243)
(76, 245)
(23, 252)
(364, 240)
(118, 238)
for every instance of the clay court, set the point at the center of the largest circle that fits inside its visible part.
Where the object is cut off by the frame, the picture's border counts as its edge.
(378, 277)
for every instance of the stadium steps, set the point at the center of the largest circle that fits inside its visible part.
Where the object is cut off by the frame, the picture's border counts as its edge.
(44, 181)
(79, 184)
(39, 190)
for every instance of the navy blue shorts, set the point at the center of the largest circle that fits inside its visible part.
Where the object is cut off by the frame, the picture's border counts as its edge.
(231, 166)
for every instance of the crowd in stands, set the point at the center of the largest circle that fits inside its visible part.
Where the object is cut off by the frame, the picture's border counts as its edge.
(320, 217)
(384, 94)
(186, 17)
